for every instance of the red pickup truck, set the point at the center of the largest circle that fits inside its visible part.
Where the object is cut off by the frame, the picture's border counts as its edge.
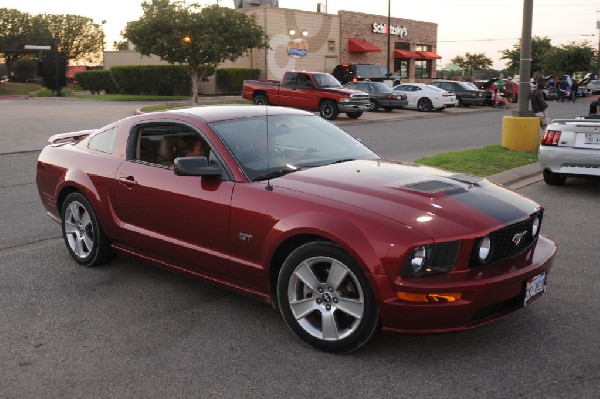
(314, 91)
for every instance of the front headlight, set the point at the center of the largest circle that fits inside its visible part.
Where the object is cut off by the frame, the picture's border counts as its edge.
(535, 226)
(345, 99)
(485, 249)
(432, 259)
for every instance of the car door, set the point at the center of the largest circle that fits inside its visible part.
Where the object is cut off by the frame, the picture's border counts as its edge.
(411, 94)
(303, 95)
(178, 219)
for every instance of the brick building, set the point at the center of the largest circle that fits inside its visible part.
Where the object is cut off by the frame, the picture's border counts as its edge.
(316, 41)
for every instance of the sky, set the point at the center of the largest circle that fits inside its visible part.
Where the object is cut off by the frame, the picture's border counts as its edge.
(473, 26)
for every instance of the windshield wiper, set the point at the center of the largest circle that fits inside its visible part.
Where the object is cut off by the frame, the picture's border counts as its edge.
(275, 173)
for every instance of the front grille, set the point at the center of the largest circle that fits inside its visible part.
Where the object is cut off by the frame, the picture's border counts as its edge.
(359, 98)
(506, 243)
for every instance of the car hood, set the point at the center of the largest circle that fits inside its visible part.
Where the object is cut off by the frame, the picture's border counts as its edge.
(435, 202)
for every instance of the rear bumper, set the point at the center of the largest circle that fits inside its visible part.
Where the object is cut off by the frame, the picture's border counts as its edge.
(567, 160)
(499, 292)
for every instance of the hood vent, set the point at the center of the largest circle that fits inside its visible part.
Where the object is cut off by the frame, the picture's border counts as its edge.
(431, 186)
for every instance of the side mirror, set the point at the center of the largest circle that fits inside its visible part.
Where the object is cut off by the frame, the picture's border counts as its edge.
(196, 166)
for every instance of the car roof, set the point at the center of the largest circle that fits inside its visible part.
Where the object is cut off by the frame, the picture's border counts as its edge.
(215, 113)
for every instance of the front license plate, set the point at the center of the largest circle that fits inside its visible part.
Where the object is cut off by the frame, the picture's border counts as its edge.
(535, 288)
(592, 138)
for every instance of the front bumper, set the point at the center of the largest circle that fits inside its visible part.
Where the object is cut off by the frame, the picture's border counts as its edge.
(570, 161)
(488, 294)
(353, 107)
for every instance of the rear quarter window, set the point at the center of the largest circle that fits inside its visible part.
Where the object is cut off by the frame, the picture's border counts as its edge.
(104, 141)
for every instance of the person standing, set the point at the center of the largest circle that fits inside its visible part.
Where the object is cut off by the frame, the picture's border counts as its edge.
(574, 90)
(563, 88)
(538, 104)
(509, 91)
(500, 83)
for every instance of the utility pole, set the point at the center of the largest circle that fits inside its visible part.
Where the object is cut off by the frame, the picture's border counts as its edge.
(389, 22)
(525, 64)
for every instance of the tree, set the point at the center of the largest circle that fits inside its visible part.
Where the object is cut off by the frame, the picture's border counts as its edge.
(79, 38)
(569, 58)
(472, 62)
(199, 41)
(121, 45)
(540, 46)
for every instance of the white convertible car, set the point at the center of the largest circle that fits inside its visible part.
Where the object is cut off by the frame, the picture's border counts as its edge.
(570, 148)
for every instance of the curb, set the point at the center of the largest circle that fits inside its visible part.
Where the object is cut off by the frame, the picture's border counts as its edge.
(518, 177)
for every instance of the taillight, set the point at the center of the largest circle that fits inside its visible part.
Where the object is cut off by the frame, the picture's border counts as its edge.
(551, 137)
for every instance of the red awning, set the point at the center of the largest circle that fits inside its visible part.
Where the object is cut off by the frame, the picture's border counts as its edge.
(361, 46)
(407, 54)
(428, 55)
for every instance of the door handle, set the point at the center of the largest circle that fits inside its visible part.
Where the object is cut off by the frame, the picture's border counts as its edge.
(128, 181)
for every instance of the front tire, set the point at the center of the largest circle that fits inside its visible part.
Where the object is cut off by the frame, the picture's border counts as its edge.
(328, 110)
(373, 105)
(354, 115)
(424, 105)
(82, 232)
(554, 179)
(325, 298)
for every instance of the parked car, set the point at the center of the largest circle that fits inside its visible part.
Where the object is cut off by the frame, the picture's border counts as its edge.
(380, 95)
(425, 97)
(487, 92)
(593, 86)
(466, 95)
(336, 238)
(314, 91)
(570, 148)
(357, 72)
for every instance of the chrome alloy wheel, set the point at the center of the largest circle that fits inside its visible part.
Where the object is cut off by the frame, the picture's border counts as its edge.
(79, 229)
(326, 298)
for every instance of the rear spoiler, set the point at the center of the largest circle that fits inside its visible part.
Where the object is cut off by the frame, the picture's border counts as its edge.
(71, 137)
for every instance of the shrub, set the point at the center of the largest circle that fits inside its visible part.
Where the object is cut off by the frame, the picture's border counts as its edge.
(95, 81)
(229, 80)
(163, 80)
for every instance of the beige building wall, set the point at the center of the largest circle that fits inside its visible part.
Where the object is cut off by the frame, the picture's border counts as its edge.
(321, 41)
(129, 57)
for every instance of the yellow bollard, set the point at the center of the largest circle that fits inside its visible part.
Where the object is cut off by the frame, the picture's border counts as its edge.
(521, 133)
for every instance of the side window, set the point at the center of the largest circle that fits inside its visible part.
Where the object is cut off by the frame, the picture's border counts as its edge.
(104, 141)
(303, 80)
(160, 144)
(289, 80)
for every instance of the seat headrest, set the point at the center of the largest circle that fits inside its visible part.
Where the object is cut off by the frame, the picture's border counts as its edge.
(167, 149)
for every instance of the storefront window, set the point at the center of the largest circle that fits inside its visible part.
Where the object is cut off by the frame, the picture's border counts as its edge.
(422, 69)
(422, 47)
(401, 46)
(401, 67)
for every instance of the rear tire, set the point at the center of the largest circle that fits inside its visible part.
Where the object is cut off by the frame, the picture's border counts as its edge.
(554, 179)
(261, 99)
(82, 233)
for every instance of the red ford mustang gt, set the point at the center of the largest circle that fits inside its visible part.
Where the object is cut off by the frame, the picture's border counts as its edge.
(284, 206)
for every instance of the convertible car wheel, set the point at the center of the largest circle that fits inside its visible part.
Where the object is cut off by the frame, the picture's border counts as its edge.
(82, 233)
(554, 179)
(424, 105)
(325, 299)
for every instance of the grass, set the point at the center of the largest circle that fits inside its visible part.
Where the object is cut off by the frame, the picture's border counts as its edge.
(163, 107)
(484, 161)
(18, 89)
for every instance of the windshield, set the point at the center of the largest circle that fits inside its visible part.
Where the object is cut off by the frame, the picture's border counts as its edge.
(326, 80)
(381, 87)
(293, 142)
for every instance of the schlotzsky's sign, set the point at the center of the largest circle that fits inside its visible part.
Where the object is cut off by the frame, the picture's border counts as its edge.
(394, 29)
